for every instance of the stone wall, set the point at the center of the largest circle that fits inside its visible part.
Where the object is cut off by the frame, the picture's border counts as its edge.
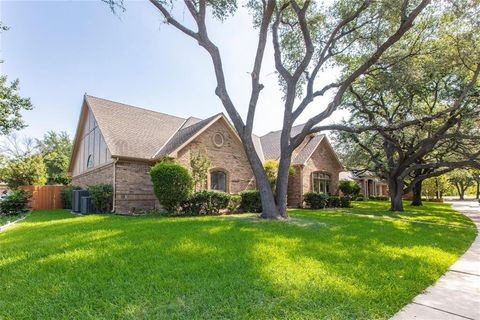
(134, 188)
(228, 157)
(103, 174)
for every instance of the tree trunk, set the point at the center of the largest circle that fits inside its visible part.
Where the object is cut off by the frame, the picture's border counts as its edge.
(396, 193)
(417, 194)
(478, 191)
(269, 208)
(282, 185)
(460, 190)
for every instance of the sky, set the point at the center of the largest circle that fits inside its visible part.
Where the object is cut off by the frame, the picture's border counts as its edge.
(60, 50)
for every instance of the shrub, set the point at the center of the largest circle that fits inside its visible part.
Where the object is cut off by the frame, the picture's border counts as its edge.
(345, 202)
(316, 200)
(102, 197)
(66, 196)
(172, 184)
(15, 202)
(380, 198)
(359, 197)
(334, 202)
(205, 202)
(234, 203)
(349, 187)
(251, 201)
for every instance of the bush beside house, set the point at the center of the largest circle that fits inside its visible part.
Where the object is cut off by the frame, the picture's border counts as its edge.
(172, 184)
(316, 200)
(250, 201)
(205, 202)
(102, 197)
(349, 188)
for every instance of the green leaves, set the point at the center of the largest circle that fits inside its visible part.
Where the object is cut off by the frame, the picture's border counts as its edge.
(11, 105)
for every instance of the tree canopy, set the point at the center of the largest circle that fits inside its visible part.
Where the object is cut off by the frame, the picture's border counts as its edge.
(308, 38)
(416, 114)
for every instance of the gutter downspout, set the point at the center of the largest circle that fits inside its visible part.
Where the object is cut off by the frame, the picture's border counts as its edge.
(114, 184)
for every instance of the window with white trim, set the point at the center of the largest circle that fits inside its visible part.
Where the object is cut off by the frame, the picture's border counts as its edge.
(321, 182)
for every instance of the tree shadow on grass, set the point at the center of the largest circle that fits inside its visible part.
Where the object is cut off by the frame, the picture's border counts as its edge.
(210, 267)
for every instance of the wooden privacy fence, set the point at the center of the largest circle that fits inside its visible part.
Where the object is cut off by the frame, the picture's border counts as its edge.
(44, 197)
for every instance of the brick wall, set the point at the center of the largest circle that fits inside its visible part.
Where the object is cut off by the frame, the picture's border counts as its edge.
(134, 188)
(103, 174)
(230, 157)
(294, 191)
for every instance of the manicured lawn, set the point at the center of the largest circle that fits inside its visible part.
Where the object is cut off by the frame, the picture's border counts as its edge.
(7, 219)
(319, 264)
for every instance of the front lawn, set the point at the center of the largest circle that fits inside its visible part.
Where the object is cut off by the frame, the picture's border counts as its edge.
(319, 264)
(10, 218)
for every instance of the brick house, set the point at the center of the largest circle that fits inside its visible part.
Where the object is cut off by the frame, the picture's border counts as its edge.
(117, 144)
(370, 184)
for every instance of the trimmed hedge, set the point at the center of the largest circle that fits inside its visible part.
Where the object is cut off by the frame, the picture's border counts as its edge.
(102, 197)
(334, 202)
(234, 204)
(205, 203)
(15, 202)
(379, 198)
(172, 184)
(360, 197)
(345, 202)
(66, 196)
(316, 200)
(250, 201)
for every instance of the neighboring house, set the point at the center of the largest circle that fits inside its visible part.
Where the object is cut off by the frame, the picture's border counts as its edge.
(118, 144)
(370, 184)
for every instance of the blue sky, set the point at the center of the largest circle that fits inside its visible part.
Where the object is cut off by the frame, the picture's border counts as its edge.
(61, 49)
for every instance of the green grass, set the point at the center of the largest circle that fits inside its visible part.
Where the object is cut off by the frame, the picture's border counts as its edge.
(317, 265)
(7, 219)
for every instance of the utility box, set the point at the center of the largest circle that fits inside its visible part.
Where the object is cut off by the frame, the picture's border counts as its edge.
(76, 197)
(86, 205)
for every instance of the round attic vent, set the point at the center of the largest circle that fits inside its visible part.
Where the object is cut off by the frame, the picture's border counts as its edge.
(218, 139)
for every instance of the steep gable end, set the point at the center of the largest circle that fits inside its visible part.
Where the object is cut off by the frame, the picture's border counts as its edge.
(90, 149)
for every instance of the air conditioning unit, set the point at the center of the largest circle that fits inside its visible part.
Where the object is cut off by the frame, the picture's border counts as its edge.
(86, 205)
(76, 196)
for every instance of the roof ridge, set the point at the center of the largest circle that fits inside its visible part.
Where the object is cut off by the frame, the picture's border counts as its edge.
(276, 131)
(137, 107)
(200, 123)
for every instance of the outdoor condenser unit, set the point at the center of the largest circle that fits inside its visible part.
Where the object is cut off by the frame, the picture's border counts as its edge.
(76, 197)
(86, 205)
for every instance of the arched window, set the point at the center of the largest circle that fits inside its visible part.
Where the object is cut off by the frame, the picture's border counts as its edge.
(321, 182)
(90, 161)
(218, 180)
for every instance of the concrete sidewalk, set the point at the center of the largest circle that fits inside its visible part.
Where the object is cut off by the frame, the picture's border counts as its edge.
(456, 295)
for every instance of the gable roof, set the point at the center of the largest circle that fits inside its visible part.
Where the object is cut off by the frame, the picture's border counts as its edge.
(138, 133)
(271, 142)
(185, 134)
(308, 149)
(132, 131)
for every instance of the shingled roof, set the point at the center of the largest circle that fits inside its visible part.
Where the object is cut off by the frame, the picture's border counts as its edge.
(133, 132)
(184, 134)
